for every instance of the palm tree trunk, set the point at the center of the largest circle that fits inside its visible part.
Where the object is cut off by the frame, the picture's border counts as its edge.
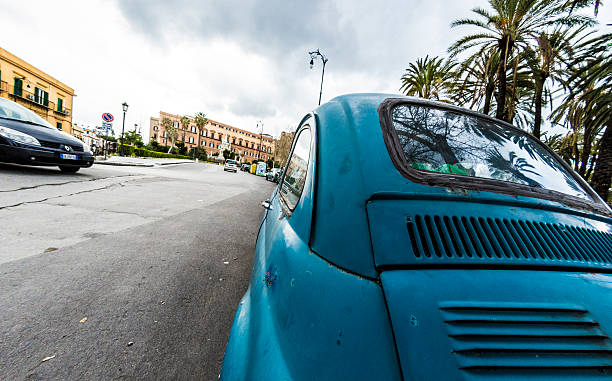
(488, 95)
(586, 150)
(504, 50)
(602, 175)
(539, 89)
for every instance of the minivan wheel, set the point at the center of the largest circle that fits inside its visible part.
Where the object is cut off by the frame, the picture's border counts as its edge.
(69, 169)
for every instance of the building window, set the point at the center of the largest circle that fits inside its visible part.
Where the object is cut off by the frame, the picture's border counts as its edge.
(18, 88)
(191, 139)
(193, 129)
(175, 124)
(59, 126)
(155, 128)
(211, 144)
(41, 96)
(154, 136)
(60, 104)
(164, 134)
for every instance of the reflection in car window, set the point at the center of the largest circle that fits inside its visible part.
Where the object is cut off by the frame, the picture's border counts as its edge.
(437, 140)
(14, 111)
(293, 185)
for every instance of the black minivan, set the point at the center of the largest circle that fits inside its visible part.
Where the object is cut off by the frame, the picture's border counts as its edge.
(26, 138)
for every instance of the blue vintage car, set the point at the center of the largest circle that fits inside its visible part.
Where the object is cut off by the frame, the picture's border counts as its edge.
(415, 240)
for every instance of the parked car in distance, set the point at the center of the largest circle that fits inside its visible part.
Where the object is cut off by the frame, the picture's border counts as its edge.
(274, 174)
(411, 239)
(245, 168)
(261, 169)
(231, 165)
(26, 138)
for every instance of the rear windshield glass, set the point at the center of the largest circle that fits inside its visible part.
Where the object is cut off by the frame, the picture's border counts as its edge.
(11, 110)
(442, 141)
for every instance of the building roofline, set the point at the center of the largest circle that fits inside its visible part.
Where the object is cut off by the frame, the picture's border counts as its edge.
(23, 65)
(214, 121)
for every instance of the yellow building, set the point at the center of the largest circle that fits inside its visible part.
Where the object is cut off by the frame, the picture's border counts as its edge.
(215, 137)
(37, 91)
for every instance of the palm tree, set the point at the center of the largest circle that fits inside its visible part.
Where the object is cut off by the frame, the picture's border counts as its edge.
(185, 125)
(549, 60)
(509, 27)
(171, 132)
(476, 81)
(588, 107)
(201, 121)
(429, 78)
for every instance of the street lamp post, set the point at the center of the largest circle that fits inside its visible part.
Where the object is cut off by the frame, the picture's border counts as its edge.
(313, 56)
(125, 108)
(260, 125)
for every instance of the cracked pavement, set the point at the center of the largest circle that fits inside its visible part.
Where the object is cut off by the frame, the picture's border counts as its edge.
(138, 251)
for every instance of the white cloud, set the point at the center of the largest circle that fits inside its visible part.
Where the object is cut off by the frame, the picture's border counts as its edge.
(237, 61)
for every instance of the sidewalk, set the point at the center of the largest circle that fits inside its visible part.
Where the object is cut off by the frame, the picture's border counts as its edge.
(139, 161)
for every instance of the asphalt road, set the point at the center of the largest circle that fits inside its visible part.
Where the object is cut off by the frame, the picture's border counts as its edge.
(123, 273)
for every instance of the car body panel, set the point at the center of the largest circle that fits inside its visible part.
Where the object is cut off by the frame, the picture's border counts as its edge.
(501, 324)
(467, 232)
(303, 318)
(356, 166)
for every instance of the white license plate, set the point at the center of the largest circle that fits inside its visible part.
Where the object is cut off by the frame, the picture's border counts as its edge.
(68, 156)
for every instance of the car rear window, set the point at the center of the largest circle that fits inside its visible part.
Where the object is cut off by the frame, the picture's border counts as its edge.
(448, 142)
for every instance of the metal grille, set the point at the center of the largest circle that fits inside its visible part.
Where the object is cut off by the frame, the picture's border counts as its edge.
(518, 340)
(476, 238)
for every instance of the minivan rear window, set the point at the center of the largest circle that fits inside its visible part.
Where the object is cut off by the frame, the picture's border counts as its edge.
(448, 142)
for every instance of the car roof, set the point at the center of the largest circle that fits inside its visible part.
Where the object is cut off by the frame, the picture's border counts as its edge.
(354, 166)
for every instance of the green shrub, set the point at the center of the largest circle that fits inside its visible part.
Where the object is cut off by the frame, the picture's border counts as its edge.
(129, 150)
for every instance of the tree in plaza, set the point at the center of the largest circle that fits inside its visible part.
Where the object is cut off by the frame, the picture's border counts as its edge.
(185, 125)
(510, 26)
(201, 121)
(133, 138)
(227, 154)
(429, 78)
(171, 132)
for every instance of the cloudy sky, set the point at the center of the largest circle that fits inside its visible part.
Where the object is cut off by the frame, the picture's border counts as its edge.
(236, 61)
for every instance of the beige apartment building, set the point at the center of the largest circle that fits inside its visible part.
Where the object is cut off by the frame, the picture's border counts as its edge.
(37, 91)
(216, 137)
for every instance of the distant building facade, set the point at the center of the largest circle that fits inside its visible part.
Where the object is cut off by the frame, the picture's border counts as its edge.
(90, 135)
(37, 91)
(215, 137)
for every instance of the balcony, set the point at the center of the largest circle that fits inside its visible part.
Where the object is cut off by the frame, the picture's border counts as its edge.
(29, 97)
(64, 111)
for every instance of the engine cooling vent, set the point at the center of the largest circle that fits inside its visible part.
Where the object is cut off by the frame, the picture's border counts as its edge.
(474, 239)
(540, 341)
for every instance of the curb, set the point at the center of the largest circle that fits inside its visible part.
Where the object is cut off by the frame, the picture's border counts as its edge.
(119, 164)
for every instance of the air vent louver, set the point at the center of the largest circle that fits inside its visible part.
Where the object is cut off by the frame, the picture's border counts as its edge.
(474, 239)
(524, 341)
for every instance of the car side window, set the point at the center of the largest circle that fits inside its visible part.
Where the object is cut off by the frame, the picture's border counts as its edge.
(295, 178)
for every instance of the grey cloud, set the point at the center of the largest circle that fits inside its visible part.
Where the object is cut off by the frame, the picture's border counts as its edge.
(252, 107)
(270, 27)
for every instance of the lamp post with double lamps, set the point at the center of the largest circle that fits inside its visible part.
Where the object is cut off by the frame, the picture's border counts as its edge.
(313, 56)
(125, 108)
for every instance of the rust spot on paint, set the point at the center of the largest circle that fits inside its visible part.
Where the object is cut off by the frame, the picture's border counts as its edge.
(269, 279)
